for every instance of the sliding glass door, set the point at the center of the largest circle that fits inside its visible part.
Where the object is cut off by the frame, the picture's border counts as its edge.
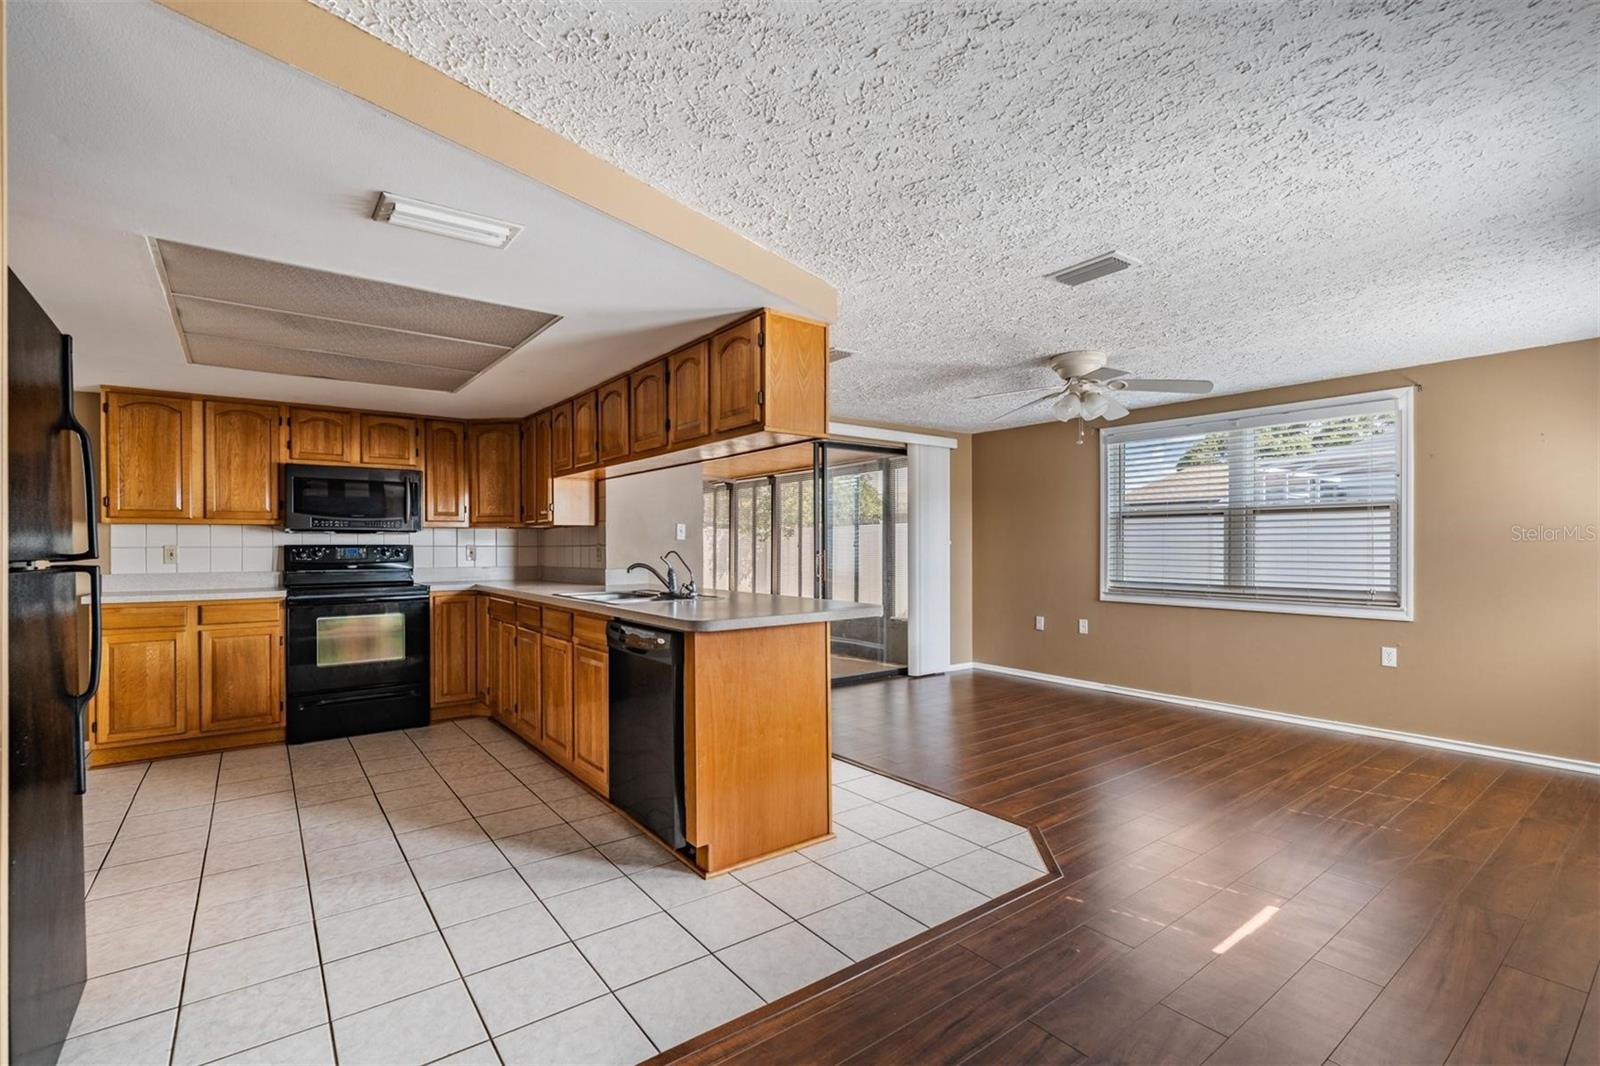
(761, 535)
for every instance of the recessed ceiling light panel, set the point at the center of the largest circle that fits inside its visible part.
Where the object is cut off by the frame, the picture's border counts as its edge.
(1094, 269)
(444, 221)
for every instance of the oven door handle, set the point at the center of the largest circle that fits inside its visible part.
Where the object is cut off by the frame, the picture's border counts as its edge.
(307, 599)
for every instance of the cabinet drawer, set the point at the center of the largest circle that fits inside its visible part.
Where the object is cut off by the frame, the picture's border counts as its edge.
(528, 617)
(154, 616)
(502, 610)
(238, 612)
(589, 629)
(557, 623)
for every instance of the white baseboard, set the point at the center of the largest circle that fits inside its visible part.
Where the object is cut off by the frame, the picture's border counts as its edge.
(1467, 747)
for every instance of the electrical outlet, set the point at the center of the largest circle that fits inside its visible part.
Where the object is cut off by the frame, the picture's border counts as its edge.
(1390, 656)
(1083, 627)
(169, 555)
(1038, 622)
(472, 553)
(683, 531)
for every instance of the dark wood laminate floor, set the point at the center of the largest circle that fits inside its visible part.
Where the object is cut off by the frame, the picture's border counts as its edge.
(1232, 891)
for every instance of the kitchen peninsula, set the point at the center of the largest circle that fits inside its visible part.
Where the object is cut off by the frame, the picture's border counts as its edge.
(753, 682)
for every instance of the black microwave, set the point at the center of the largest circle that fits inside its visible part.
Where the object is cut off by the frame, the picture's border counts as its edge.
(351, 499)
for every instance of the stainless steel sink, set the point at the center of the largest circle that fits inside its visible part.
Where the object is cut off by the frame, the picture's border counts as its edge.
(631, 596)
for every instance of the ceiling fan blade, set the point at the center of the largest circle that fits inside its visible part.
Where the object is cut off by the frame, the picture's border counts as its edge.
(1188, 385)
(1015, 392)
(1105, 373)
(1024, 407)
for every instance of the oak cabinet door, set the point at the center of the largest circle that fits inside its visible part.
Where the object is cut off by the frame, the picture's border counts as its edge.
(541, 511)
(452, 632)
(561, 439)
(612, 401)
(512, 699)
(153, 467)
(147, 679)
(591, 717)
(318, 436)
(555, 696)
(495, 495)
(490, 666)
(525, 646)
(736, 377)
(241, 672)
(481, 615)
(647, 392)
(585, 432)
(390, 440)
(689, 394)
(444, 477)
(242, 451)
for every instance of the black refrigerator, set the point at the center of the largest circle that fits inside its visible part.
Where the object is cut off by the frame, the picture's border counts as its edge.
(49, 763)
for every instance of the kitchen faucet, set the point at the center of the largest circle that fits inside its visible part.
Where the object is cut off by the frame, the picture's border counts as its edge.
(670, 580)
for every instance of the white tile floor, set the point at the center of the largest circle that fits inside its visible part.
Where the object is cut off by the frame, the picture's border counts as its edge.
(446, 894)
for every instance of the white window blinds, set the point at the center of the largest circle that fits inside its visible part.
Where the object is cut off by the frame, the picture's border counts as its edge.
(1302, 507)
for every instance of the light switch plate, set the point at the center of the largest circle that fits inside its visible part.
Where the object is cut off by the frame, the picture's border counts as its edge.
(1038, 622)
(683, 531)
(472, 553)
(169, 555)
(1083, 626)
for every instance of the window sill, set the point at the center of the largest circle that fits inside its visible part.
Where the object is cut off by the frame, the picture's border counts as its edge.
(1387, 614)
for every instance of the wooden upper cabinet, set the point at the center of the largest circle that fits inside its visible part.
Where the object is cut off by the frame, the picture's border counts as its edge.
(243, 447)
(735, 378)
(612, 401)
(541, 508)
(151, 446)
(585, 432)
(444, 478)
(689, 394)
(241, 672)
(561, 438)
(647, 392)
(390, 440)
(318, 436)
(495, 461)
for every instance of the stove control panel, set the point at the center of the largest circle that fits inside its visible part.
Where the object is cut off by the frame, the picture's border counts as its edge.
(306, 556)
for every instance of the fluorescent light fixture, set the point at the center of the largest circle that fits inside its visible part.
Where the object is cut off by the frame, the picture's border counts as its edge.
(444, 221)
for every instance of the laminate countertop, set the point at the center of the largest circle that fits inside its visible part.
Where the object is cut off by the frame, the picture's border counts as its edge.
(708, 613)
(188, 595)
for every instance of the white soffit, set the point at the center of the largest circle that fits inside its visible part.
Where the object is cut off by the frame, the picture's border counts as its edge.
(1313, 190)
(128, 122)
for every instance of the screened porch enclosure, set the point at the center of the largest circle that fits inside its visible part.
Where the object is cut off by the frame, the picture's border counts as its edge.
(760, 535)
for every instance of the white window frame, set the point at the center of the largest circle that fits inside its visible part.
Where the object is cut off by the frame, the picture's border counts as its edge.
(1405, 416)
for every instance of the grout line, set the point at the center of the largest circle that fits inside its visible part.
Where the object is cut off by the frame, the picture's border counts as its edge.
(311, 905)
(194, 914)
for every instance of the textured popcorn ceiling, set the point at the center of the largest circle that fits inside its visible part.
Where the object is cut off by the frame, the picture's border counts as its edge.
(1316, 189)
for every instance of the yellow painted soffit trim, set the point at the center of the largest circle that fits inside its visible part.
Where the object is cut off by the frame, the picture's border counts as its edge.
(325, 46)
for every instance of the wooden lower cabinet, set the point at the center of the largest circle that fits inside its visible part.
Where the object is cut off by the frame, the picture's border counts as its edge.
(179, 677)
(453, 636)
(525, 646)
(509, 697)
(241, 677)
(591, 716)
(555, 697)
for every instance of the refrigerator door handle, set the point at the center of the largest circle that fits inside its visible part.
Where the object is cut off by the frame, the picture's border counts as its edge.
(80, 731)
(70, 423)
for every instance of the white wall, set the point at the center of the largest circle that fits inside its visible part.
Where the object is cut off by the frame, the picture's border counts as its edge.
(642, 515)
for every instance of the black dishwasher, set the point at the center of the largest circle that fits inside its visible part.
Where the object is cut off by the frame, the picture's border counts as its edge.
(646, 678)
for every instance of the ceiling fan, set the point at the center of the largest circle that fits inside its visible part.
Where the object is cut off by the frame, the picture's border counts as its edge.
(1089, 387)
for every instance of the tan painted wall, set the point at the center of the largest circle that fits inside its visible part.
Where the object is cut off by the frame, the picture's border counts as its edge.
(1505, 646)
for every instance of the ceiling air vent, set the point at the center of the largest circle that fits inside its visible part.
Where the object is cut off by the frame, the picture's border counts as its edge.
(1094, 269)
(836, 354)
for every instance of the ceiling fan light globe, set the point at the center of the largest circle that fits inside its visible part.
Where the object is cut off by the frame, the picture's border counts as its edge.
(1067, 408)
(1095, 404)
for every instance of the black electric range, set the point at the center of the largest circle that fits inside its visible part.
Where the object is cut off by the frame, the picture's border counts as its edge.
(357, 647)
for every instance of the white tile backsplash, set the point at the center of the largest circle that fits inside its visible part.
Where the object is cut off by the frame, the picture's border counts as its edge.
(245, 550)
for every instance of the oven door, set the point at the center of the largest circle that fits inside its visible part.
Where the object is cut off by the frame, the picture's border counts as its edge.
(338, 642)
(352, 499)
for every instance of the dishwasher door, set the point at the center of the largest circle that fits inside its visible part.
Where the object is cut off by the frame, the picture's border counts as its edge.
(646, 675)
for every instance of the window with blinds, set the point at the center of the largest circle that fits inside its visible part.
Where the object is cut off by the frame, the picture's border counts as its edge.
(1302, 508)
